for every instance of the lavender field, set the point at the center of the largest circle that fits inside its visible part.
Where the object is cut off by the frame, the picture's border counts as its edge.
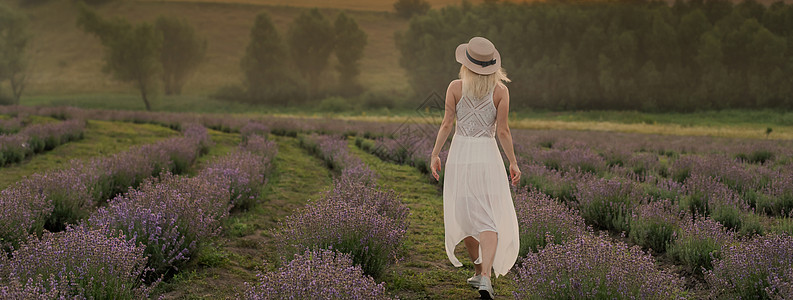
(266, 207)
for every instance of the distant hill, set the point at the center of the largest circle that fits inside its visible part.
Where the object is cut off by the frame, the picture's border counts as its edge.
(65, 60)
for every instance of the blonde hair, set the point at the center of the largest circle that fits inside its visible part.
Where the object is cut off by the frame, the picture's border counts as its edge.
(481, 85)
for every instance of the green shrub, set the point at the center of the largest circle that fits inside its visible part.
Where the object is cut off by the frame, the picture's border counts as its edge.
(652, 224)
(696, 241)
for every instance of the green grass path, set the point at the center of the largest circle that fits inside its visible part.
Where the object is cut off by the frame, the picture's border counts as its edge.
(425, 271)
(221, 271)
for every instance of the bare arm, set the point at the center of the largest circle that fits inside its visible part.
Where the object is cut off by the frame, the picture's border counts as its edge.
(503, 132)
(446, 128)
(448, 121)
(502, 125)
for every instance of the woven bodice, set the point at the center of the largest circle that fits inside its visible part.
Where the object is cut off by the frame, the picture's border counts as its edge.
(476, 117)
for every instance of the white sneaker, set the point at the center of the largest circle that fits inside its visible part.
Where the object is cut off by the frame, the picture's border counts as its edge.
(486, 288)
(475, 281)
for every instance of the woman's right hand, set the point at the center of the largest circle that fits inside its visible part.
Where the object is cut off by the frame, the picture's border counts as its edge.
(435, 166)
(514, 173)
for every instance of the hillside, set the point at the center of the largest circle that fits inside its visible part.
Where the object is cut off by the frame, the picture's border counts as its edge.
(65, 60)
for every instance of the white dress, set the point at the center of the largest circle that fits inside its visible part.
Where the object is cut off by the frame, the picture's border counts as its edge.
(476, 194)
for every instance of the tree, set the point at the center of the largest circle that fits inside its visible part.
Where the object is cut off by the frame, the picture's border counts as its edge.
(13, 41)
(182, 51)
(409, 8)
(266, 71)
(311, 41)
(131, 52)
(350, 42)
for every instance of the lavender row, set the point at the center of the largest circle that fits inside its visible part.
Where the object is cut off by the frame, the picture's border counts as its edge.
(609, 202)
(38, 138)
(78, 263)
(334, 151)
(125, 248)
(572, 263)
(623, 144)
(594, 267)
(11, 125)
(314, 274)
(222, 122)
(563, 259)
(755, 150)
(367, 221)
(174, 216)
(245, 170)
(336, 245)
(52, 199)
(403, 149)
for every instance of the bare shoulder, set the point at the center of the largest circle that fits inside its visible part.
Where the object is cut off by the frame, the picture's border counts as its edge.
(456, 84)
(456, 88)
(500, 93)
(501, 89)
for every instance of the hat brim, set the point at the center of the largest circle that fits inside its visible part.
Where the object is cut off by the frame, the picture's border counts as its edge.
(463, 59)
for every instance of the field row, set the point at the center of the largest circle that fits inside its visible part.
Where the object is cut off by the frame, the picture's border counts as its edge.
(701, 210)
(695, 210)
(153, 229)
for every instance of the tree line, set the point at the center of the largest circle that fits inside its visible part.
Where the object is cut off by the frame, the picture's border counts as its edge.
(279, 70)
(140, 53)
(275, 71)
(637, 54)
(163, 55)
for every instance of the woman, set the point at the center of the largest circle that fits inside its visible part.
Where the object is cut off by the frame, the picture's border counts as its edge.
(477, 203)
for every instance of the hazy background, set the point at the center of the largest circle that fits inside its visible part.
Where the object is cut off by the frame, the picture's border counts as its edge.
(565, 55)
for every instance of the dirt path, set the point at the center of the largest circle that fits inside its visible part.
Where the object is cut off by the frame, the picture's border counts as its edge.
(221, 271)
(425, 272)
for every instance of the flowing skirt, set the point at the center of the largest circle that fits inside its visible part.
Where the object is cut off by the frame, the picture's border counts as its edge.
(477, 198)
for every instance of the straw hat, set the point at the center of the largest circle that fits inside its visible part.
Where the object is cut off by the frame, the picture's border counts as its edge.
(479, 55)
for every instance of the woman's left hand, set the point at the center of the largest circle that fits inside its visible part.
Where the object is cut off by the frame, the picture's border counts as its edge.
(435, 166)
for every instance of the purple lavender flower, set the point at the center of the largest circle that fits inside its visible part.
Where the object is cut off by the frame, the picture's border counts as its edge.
(171, 216)
(706, 195)
(653, 223)
(697, 241)
(243, 172)
(593, 267)
(47, 136)
(777, 198)
(10, 126)
(542, 220)
(14, 148)
(253, 128)
(747, 269)
(780, 286)
(582, 160)
(607, 203)
(23, 210)
(316, 274)
(77, 262)
(366, 232)
(67, 190)
(386, 202)
(560, 185)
